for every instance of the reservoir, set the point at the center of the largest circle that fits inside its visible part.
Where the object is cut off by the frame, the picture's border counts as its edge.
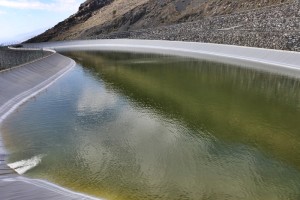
(128, 126)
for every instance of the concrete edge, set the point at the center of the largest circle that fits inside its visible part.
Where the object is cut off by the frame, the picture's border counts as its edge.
(42, 184)
(18, 100)
(274, 61)
(29, 49)
(10, 106)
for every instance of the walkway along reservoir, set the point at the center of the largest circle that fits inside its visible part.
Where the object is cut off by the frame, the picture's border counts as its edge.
(122, 125)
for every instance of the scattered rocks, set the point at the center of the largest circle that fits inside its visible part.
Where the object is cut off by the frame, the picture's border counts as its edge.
(274, 27)
(85, 11)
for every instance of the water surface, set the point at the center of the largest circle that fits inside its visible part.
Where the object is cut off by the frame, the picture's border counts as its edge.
(135, 126)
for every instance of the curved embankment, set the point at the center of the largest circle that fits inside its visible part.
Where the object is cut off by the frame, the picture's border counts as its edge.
(277, 61)
(17, 85)
(21, 83)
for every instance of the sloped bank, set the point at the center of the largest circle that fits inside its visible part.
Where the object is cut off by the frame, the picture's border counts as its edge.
(283, 62)
(21, 83)
(17, 85)
(275, 61)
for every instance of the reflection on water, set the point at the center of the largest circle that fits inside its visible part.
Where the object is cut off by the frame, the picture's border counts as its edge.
(134, 126)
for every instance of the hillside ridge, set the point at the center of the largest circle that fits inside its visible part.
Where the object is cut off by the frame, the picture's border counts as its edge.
(188, 20)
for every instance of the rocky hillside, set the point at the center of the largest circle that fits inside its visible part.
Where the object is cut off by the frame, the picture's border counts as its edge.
(101, 18)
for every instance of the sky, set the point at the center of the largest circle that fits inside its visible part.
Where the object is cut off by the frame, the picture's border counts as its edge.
(23, 19)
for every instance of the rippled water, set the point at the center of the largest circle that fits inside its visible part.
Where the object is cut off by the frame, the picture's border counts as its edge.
(134, 126)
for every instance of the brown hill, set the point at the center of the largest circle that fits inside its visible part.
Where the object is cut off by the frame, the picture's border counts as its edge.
(101, 17)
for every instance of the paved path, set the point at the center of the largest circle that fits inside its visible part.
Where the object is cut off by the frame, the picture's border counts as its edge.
(16, 86)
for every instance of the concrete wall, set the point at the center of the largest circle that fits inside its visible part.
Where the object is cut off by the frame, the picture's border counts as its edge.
(282, 62)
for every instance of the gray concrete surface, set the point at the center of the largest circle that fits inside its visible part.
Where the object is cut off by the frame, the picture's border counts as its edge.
(21, 83)
(17, 85)
(17, 187)
(276, 61)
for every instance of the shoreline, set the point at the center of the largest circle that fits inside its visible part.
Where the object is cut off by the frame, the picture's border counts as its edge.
(275, 61)
(9, 180)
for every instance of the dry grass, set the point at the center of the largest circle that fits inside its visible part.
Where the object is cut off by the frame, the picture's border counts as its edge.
(106, 14)
(159, 13)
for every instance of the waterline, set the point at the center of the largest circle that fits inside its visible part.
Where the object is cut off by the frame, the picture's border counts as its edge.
(47, 74)
(123, 127)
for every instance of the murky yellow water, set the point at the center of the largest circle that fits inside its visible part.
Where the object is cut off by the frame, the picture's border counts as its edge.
(134, 126)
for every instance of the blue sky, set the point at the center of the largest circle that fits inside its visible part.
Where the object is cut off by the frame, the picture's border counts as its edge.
(22, 19)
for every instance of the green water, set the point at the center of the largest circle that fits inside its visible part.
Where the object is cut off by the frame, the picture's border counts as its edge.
(134, 126)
